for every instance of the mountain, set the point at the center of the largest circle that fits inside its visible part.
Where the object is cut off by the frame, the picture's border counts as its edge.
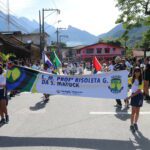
(116, 32)
(75, 35)
(17, 24)
(135, 35)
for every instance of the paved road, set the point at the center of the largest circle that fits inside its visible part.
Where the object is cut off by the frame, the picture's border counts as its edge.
(71, 123)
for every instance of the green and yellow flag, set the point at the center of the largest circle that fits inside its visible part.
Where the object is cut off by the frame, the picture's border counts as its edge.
(54, 59)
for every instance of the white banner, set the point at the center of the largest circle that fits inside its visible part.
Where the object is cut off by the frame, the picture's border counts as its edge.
(112, 85)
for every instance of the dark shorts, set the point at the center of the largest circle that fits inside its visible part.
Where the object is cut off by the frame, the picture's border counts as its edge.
(147, 75)
(137, 101)
(2, 94)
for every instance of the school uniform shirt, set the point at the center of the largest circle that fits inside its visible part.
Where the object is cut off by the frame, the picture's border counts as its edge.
(136, 86)
(137, 100)
(2, 80)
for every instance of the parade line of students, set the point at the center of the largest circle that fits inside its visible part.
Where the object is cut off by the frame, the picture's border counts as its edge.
(139, 71)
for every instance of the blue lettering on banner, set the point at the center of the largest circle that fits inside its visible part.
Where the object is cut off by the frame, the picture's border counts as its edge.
(44, 81)
(105, 80)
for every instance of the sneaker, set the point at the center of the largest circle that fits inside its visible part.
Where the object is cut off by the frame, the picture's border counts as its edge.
(46, 100)
(7, 118)
(136, 127)
(127, 106)
(118, 106)
(2, 121)
(132, 128)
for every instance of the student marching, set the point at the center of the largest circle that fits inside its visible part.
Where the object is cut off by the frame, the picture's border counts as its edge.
(138, 74)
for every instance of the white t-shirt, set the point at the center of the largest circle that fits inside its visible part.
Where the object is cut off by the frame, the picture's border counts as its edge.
(111, 67)
(135, 86)
(2, 80)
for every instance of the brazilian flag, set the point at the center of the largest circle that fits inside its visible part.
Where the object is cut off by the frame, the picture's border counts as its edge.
(54, 58)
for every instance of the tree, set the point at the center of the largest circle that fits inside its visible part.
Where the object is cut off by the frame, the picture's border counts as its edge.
(146, 42)
(134, 13)
(125, 39)
(116, 42)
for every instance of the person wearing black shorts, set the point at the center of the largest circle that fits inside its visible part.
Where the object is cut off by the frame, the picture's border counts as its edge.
(3, 99)
(136, 98)
(147, 80)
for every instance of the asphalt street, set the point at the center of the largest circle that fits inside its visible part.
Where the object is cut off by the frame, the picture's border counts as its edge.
(69, 123)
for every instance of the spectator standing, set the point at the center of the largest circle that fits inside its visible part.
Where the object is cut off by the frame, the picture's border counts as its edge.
(3, 99)
(117, 67)
(147, 79)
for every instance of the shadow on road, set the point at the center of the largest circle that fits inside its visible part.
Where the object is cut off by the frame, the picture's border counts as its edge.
(39, 105)
(122, 114)
(141, 142)
(101, 144)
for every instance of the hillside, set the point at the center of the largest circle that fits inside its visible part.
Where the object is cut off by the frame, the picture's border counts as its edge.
(75, 35)
(135, 35)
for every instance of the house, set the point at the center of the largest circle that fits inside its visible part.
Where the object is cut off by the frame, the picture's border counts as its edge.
(140, 53)
(100, 50)
(70, 53)
(33, 38)
(10, 44)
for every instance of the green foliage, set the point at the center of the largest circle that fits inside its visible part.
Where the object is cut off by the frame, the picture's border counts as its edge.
(128, 52)
(116, 42)
(134, 12)
(5, 57)
(146, 41)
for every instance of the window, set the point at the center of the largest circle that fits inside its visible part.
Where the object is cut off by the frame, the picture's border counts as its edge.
(114, 49)
(123, 53)
(107, 50)
(90, 51)
(78, 51)
(99, 50)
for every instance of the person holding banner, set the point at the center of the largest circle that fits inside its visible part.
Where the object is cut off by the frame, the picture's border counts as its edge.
(136, 98)
(3, 99)
(46, 69)
(117, 67)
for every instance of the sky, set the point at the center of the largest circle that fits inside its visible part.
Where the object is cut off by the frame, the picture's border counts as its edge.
(94, 16)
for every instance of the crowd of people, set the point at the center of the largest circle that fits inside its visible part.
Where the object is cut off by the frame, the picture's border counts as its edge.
(139, 71)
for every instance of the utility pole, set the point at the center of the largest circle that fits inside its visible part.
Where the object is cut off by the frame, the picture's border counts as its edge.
(57, 33)
(42, 26)
(40, 30)
(8, 16)
(62, 36)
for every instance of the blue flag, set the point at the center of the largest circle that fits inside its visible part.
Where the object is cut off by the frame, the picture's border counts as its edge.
(47, 61)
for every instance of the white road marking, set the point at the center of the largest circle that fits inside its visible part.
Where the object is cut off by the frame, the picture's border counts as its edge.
(116, 113)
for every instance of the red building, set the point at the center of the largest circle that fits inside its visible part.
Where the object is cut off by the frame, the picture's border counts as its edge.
(100, 50)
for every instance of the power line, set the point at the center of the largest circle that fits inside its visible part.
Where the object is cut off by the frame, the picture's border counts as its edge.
(54, 3)
(12, 20)
(49, 15)
(13, 23)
